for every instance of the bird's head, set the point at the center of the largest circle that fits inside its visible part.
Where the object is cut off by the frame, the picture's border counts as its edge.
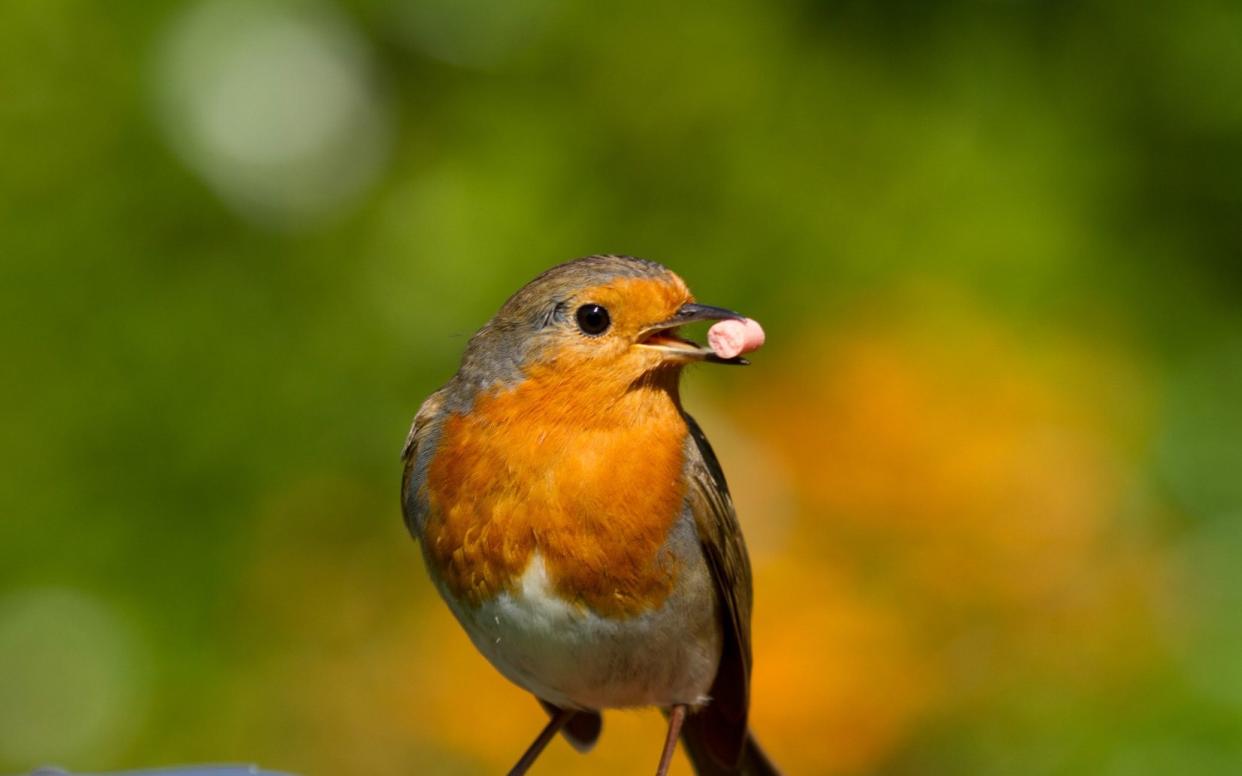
(604, 323)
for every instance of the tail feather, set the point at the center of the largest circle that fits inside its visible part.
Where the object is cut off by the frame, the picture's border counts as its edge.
(583, 728)
(753, 762)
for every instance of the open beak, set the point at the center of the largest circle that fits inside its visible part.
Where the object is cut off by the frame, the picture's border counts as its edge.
(664, 337)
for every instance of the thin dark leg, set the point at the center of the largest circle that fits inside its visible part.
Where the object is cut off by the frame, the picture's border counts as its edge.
(541, 741)
(676, 716)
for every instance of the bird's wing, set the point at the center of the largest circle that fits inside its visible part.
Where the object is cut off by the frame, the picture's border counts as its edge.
(414, 456)
(721, 726)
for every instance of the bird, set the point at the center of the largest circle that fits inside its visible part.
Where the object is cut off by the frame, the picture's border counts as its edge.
(577, 523)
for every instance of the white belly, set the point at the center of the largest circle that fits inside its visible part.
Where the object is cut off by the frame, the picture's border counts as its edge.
(574, 658)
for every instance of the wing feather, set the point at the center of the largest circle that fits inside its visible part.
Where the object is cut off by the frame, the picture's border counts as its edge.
(721, 726)
(415, 454)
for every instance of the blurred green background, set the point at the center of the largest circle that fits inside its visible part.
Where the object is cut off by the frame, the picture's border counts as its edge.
(989, 464)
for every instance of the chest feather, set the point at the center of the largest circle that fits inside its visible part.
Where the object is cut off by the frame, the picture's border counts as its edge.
(595, 494)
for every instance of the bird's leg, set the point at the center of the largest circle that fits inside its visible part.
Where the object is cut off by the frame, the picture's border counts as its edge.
(676, 716)
(541, 741)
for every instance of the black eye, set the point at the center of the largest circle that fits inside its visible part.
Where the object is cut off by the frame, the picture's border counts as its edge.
(592, 319)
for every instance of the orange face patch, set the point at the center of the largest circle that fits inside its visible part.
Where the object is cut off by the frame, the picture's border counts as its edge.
(583, 467)
(633, 305)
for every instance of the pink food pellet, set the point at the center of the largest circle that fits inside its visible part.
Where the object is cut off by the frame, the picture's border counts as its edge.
(732, 338)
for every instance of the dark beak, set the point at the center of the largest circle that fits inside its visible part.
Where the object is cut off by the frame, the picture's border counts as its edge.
(661, 337)
(689, 313)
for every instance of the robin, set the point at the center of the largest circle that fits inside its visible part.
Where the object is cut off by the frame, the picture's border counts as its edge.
(575, 519)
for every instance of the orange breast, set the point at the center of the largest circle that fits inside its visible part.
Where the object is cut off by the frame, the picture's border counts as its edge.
(593, 486)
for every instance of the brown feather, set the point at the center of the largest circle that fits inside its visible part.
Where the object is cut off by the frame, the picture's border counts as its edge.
(412, 503)
(720, 727)
(583, 728)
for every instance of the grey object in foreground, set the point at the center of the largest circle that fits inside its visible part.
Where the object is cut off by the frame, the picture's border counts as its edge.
(188, 770)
